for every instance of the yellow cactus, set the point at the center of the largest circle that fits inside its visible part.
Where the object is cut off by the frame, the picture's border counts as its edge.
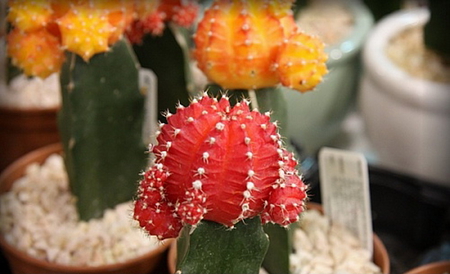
(301, 62)
(85, 31)
(29, 15)
(38, 53)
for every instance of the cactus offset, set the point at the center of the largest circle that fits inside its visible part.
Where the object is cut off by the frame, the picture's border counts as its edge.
(37, 53)
(301, 62)
(30, 15)
(218, 163)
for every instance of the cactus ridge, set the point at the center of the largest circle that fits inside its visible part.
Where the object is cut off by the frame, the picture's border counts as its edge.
(218, 163)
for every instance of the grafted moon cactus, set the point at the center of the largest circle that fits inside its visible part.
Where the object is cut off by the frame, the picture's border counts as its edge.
(219, 163)
(256, 44)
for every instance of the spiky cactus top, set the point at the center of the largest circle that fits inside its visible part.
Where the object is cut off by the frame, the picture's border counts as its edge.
(218, 163)
(44, 29)
(256, 44)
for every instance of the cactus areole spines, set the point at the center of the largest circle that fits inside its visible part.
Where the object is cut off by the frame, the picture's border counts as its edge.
(218, 163)
(101, 128)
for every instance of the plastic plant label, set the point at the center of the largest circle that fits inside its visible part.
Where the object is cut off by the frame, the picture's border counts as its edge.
(344, 184)
(148, 87)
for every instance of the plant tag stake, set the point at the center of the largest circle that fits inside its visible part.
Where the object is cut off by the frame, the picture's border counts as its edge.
(344, 184)
(148, 87)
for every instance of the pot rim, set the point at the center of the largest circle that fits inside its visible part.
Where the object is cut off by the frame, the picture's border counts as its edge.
(435, 267)
(15, 171)
(395, 82)
(10, 110)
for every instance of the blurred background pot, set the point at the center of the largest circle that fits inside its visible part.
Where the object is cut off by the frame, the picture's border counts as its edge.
(21, 262)
(23, 130)
(407, 119)
(314, 118)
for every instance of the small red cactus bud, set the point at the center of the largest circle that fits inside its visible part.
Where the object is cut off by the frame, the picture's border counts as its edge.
(182, 13)
(218, 163)
(152, 16)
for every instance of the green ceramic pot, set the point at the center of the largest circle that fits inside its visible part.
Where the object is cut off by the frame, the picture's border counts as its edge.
(315, 118)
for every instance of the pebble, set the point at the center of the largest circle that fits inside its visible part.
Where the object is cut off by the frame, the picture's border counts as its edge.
(324, 247)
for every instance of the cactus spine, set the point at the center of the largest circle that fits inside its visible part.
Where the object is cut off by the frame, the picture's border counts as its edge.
(101, 128)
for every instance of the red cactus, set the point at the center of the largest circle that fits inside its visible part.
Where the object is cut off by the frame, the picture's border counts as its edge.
(152, 21)
(218, 163)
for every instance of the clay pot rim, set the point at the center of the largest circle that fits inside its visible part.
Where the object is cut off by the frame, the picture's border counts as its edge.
(426, 268)
(80, 269)
(380, 248)
(28, 110)
(12, 170)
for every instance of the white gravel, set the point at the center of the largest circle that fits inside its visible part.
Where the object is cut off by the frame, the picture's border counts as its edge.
(324, 247)
(408, 51)
(39, 216)
(31, 92)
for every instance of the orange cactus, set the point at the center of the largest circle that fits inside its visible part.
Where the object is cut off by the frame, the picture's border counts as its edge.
(37, 53)
(301, 62)
(237, 44)
(240, 44)
(85, 31)
(86, 27)
(29, 15)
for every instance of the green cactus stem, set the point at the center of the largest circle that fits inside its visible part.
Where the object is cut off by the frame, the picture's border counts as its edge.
(101, 128)
(167, 58)
(213, 248)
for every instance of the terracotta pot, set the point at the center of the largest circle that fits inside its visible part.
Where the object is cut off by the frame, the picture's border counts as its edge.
(23, 130)
(432, 268)
(20, 262)
(380, 254)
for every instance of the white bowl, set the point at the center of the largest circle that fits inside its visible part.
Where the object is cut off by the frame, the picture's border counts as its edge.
(407, 119)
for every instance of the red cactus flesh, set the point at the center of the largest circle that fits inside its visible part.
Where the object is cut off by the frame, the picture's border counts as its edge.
(218, 163)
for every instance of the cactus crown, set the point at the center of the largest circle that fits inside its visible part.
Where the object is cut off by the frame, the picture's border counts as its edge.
(218, 163)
